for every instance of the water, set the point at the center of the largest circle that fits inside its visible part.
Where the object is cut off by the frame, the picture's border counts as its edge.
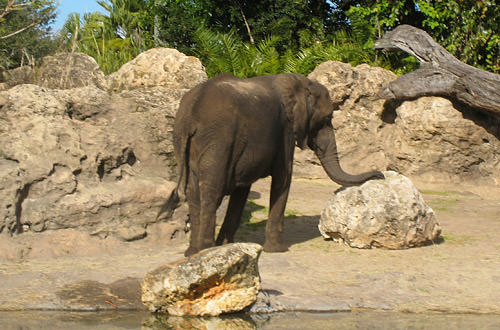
(142, 320)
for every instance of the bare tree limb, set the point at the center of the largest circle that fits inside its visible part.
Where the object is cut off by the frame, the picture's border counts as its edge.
(8, 8)
(247, 26)
(20, 30)
(440, 73)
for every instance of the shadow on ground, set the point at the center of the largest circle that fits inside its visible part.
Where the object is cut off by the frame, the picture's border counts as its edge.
(297, 229)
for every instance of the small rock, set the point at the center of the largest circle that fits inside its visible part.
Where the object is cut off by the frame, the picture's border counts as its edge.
(215, 281)
(131, 233)
(388, 213)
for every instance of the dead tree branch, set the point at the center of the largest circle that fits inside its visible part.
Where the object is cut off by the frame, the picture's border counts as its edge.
(440, 73)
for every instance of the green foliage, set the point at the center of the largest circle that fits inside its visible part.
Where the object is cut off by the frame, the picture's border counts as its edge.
(249, 38)
(25, 31)
(112, 39)
(468, 29)
(226, 53)
(299, 23)
(344, 47)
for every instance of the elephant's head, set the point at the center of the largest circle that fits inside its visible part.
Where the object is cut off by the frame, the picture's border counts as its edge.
(308, 107)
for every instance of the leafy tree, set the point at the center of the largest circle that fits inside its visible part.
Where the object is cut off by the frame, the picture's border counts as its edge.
(129, 19)
(468, 29)
(112, 39)
(226, 53)
(25, 31)
(299, 23)
(344, 47)
(262, 36)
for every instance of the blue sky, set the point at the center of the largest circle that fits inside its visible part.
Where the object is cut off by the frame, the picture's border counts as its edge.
(67, 7)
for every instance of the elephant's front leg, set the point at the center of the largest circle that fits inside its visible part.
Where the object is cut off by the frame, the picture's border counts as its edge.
(280, 187)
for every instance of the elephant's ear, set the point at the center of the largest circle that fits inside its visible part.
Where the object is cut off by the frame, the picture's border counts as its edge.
(294, 98)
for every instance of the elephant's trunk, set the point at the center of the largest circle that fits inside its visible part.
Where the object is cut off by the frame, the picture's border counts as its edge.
(325, 147)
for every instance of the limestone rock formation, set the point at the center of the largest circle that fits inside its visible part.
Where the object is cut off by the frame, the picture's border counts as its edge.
(214, 281)
(156, 67)
(86, 158)
(427, 137)
(433, 140)
(358, 111)
(69, 70)
(388, 213)
(21, 75)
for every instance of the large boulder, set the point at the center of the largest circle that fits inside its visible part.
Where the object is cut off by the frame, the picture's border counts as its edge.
(214, 281)
(157, 67)
(358, 112)
(88, 159)
(431, 139)
(388, 213)
(22, 75)
(70, 70)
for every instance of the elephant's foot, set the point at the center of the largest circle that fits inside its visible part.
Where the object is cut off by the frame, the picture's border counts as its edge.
(221, 240)
(190, 251)
(275, 247)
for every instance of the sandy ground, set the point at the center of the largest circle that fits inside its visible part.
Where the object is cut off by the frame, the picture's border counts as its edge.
(460, 274)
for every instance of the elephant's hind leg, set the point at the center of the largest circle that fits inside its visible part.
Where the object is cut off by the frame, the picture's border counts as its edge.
(233, 215)
(193, 198)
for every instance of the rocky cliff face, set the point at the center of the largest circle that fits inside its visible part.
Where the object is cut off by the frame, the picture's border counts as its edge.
(77, 155)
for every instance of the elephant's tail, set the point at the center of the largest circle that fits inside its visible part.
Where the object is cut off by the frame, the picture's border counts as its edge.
(178, 195)
(169, 207)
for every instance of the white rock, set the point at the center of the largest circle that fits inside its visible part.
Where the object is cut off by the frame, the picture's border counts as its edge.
(388, 213)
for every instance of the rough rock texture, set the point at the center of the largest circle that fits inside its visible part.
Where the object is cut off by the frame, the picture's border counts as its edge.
(84, 158)
(215, 281)
(426, 137)
(388, 213)
(357, 121)
(22, 75)
(155, 67)
(434, 140)
(69, 70)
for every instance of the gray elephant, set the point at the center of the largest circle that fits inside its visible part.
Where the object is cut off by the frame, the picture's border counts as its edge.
(229, 132)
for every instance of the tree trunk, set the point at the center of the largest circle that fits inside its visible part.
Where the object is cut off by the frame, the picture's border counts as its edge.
(440, 73)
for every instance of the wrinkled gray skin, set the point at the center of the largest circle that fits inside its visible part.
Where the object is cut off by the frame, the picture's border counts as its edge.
(229, 132)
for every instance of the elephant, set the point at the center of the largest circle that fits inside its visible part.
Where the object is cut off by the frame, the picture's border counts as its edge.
(229, 132)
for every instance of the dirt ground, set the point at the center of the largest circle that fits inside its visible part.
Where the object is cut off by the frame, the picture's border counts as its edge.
(461, 274)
